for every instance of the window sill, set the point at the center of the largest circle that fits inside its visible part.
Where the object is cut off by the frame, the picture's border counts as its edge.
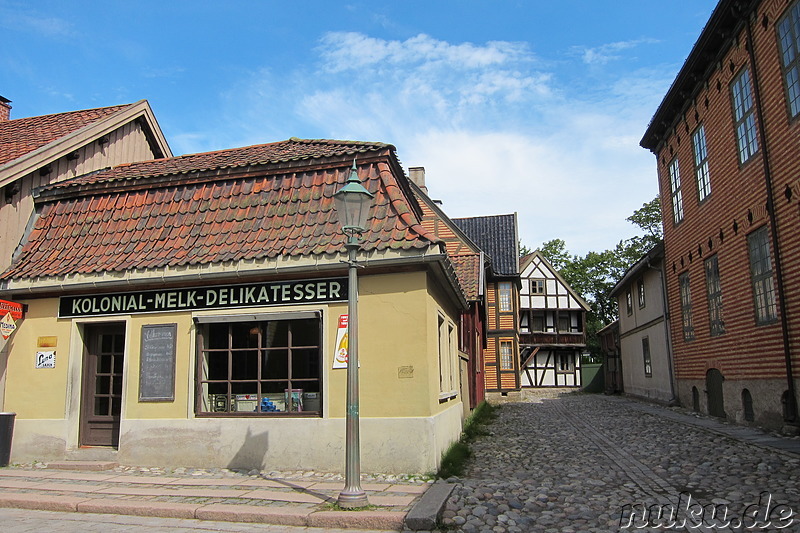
(447, 396)
(291, 414)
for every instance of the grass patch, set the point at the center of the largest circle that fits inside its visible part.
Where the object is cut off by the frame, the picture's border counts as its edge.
(454, 460)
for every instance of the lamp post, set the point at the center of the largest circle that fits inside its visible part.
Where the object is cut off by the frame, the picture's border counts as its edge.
(352, 203)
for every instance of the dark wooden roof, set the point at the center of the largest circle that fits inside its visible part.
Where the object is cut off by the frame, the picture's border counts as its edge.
(497, 237)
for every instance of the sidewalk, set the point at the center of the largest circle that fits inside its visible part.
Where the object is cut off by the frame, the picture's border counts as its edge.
(221, 495)
(751, 435)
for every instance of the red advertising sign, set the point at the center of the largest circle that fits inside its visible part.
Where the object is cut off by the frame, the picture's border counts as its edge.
(11, 307)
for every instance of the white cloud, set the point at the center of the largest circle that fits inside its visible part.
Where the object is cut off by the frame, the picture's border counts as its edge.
(42, 25)
(605, 53)
(495, 131)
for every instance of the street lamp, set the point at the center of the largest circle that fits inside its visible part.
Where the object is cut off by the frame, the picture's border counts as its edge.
(352, 203)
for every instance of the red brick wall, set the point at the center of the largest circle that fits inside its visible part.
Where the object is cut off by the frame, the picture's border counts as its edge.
(735, 208)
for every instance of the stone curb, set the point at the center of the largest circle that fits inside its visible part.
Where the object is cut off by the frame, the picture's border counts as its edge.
(428, 510)
(285, 515)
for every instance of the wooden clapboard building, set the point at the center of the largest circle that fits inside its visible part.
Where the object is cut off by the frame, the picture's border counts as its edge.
(725, 139)
(497, 236)
(552, 326)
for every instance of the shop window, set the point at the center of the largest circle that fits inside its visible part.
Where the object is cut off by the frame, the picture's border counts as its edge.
(686, 307)
(789, 37)
(261, 366)
(504, 296)
(744, 116)
(761, 276)
(675, 188)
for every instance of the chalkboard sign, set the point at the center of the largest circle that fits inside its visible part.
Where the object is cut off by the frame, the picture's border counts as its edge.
(157, 363)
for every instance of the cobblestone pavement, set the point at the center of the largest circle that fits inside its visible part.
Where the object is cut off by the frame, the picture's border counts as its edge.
(592, 463)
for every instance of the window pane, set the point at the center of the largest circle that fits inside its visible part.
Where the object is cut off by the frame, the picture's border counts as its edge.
(675, 186)
(761, 276)
(789, 40)
(744, 116)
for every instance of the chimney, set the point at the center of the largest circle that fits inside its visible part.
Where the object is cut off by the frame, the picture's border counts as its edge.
(5, 109)
(417, 175)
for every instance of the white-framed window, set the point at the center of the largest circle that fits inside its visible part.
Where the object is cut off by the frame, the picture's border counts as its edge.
(504, 296)
(789, 40)
(686, 307)
(761, 276)
(640, 292)
(648, 364)
(714, 290)
(629, 301)
(448, 357)
(675, 188)
(701, 163)
(506, 355)
(260, 365)
(744, 116)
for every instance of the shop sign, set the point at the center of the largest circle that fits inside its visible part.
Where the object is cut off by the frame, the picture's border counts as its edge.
(220, 297)
(340, 354)
(10, 313)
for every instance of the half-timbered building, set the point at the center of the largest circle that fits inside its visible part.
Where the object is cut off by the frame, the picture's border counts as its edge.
(552, 326)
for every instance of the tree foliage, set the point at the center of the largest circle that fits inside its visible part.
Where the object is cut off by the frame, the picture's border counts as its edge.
(595, 274)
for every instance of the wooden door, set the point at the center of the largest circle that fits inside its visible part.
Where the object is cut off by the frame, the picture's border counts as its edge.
(716, 405)
(101, 394)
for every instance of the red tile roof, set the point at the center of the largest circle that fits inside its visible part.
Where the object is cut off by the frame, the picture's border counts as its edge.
(23, 135)
(131, 217)
(468, 270)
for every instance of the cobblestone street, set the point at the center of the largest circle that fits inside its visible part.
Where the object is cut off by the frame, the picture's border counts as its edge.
(574, 463)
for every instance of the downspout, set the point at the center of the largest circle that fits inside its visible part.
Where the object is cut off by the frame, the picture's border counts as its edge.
(663, 279)
(791, 407)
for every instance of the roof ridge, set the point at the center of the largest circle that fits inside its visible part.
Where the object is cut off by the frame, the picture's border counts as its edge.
(73, 112)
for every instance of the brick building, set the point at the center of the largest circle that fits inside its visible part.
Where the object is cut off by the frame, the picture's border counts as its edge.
(725, 139)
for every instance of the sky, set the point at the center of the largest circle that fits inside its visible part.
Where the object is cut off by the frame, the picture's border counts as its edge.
(529, 107)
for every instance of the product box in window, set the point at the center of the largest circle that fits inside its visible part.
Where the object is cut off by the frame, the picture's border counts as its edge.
(294, 399)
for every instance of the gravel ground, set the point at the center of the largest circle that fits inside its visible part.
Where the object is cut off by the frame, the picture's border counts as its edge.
(582, 463)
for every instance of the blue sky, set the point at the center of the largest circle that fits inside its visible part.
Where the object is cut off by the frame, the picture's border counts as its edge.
(532, 107)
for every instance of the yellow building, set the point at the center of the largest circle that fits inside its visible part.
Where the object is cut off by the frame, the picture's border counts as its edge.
(187, 312)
